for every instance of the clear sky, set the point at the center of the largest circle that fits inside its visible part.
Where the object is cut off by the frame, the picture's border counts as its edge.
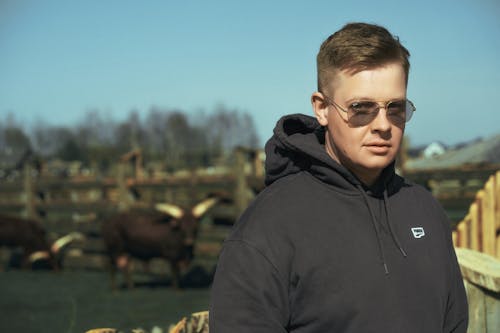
(60, 58)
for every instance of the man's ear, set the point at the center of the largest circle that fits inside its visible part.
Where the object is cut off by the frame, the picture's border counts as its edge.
(320, 108)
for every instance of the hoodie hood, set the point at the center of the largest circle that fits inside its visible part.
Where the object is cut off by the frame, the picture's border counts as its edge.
(298, 144)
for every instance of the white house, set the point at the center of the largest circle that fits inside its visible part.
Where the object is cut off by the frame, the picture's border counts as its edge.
(433, 150)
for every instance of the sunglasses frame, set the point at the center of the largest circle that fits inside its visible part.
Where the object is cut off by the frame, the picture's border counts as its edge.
(409, 110)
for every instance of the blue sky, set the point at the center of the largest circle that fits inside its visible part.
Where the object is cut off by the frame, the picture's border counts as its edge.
(59, 58)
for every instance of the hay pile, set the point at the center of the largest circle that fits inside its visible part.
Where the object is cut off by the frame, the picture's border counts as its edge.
(196, 323)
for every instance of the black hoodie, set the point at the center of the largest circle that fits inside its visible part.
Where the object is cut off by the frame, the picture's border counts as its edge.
(317, 251)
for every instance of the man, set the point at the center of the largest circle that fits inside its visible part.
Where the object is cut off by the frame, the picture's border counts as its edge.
(337, 242)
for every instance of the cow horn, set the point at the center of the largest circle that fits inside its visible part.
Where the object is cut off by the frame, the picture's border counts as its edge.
(39, 255)
(172, 210)
(202, 207)
(65, 240)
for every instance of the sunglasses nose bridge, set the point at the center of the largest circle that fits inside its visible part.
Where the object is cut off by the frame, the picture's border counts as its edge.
(381, 119)
(382, 105)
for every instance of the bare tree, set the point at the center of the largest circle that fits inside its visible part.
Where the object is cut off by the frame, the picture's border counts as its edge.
(231, 128)
(13, 139)
(169, 136)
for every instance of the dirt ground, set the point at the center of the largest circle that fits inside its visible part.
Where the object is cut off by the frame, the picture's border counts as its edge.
(76, 301)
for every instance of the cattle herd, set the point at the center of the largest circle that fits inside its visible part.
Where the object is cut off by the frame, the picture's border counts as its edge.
(167, 231)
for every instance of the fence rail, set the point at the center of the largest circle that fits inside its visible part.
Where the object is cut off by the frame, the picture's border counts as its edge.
(481, 274)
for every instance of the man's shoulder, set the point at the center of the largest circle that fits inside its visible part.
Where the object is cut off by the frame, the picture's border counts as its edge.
(291, 179)
(283, 191)
(422, 197)
(290, 186)
(274, 207)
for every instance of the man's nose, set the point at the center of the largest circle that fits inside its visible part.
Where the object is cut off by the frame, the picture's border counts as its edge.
(381, 123)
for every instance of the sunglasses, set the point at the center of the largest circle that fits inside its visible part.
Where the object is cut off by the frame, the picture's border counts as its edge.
(361, 113)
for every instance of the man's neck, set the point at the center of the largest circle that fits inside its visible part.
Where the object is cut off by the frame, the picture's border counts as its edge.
(368, 178)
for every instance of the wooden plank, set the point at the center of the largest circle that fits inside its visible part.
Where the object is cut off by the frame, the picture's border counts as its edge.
(467, 232)
(492, 307)
(497, 213)
(479, 268)
(421, 176)
(474, 227)
(477, 312)
(463, 234)
(77, 207)
(479, 202)
(497, 201)
(488, 218)
(497, 242)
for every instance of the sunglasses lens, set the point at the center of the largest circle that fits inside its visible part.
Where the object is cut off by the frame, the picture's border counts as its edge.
(410, 108)
(362, 113)
(396, 112)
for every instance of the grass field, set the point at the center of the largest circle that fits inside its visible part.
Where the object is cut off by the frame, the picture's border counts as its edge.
(76, 301)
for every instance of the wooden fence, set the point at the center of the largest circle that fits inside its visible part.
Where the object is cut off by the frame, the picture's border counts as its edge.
(455, 188)
(39, 196)
(480, 229)
(80, 204)
(477, 244)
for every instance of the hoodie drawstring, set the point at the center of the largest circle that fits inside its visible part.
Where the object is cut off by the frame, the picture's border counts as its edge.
(394, 236)
(374, 222)
(380, 247)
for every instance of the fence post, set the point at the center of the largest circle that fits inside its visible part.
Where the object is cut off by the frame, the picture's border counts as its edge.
(474, 227)
(258, 166)
(488, 218)
(479, 202)
(497, 212)
(123, 199)
(241, 197)
(28, 192)
(463, 237)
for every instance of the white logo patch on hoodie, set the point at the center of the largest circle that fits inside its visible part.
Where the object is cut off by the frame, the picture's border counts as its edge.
(418, 232)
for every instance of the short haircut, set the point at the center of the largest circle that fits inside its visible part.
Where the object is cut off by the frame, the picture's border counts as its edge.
(357, 47)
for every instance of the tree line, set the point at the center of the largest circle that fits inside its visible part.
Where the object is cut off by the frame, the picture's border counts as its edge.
(170, 136)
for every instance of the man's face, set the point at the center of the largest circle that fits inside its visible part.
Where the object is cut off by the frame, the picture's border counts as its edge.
(365, 150)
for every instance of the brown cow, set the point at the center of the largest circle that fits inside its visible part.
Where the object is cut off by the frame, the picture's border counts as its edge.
(30, 237)
(168, 233)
